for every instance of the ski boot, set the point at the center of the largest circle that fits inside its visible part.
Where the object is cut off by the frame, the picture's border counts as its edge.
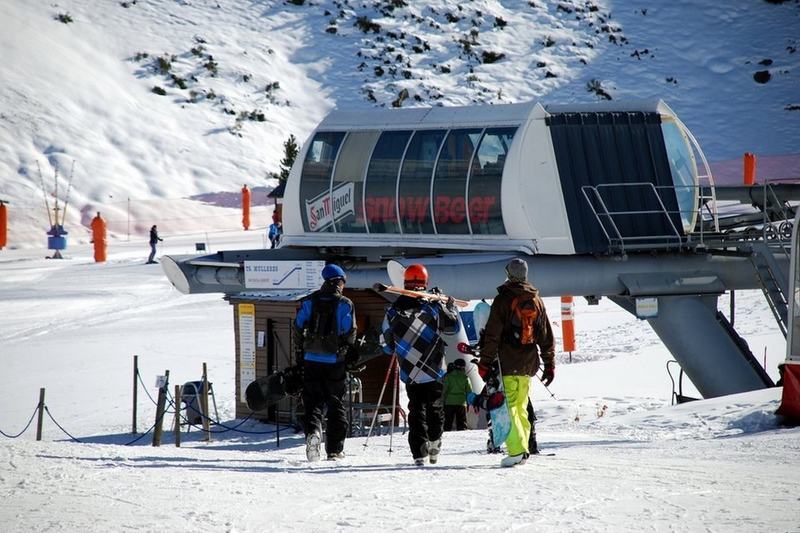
(313, 441)
(335, 456)
(513, 460)
(433, 450)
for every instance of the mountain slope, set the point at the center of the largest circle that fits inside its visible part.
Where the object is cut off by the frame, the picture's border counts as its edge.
(238, 79)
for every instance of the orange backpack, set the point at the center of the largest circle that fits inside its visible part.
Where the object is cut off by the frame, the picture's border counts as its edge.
(524, 318)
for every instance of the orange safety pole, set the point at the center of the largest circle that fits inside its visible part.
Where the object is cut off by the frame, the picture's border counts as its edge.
(749, 168)
(568, 324)
(3, 225)
(245, 207)
(99, 238)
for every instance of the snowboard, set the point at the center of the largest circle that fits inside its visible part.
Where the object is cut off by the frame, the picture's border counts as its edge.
(500, 415)
(271, 389)
(492, 398)
(480, 316)
(268, 390)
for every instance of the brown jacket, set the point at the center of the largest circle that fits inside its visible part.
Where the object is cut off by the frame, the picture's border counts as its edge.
(516, 360)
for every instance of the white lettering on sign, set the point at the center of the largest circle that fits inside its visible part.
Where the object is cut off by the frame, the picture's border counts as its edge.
(326, 208)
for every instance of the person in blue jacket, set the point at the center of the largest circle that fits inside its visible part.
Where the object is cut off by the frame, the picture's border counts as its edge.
(324, 337)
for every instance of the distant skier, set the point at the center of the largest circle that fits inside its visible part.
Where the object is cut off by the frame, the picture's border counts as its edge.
(154, 239)
(412, 330)
(324, 335)
(456, 388)
(274, 234)
(517, 331)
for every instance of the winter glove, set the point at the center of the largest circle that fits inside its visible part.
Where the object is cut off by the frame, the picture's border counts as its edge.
(436, 290)
(451, 303)
(495, 400)
(473, 402)
(351, 360)
(548, 374)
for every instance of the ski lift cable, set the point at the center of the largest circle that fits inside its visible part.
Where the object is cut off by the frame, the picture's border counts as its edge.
(44, 193)
(69, 189)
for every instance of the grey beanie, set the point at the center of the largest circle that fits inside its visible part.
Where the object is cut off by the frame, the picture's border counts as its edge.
(517, 270)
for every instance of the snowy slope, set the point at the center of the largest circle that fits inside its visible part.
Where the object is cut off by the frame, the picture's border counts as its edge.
(239, 78)
(626, 460)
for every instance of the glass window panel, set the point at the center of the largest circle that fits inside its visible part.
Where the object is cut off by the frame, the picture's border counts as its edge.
(315, 182)
(415, 181)
(449, 185)
(380, 199)
(485, 214)
(684, 170)
(348, 181)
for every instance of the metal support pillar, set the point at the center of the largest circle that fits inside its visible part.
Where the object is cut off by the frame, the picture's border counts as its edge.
(710, 356)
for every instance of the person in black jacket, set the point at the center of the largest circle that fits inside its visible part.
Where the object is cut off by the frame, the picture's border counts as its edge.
(154, 238)
(412, 330)
(324, 337)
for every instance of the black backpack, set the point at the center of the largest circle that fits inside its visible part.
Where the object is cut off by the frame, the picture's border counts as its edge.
(322, 330)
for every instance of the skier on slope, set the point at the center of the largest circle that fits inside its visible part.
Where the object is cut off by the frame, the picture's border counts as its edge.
(324, 335)
(517, 331)
(412, 330)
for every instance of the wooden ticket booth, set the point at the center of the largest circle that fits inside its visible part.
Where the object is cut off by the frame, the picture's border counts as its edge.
(262, 324)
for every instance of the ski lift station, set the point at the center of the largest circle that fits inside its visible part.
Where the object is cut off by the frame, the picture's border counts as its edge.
(607, 200)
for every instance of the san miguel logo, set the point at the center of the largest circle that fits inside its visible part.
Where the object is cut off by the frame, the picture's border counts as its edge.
(331, 206)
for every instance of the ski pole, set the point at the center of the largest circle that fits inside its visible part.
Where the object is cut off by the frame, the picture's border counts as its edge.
(396, 382)
(380, 399)
(545, 386)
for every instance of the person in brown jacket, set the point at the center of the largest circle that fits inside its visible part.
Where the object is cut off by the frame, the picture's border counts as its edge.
(518, 334)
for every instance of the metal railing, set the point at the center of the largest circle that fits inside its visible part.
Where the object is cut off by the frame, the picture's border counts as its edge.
(616, 239)
(772, 225)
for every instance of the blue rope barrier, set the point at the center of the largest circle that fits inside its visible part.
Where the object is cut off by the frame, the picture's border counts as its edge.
(25, 429)
(46, 410)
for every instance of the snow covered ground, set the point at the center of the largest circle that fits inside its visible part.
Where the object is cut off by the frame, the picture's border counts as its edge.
(81, 89)
(73, 326)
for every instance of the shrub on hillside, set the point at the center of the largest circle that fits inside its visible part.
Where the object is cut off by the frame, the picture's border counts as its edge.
(489, 57)
(66, 18)
(164, 64)
(366, 25)
(158, 90)
(211, 66)
(596, 87)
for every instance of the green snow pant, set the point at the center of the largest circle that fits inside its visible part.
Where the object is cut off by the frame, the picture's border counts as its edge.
(516, 390)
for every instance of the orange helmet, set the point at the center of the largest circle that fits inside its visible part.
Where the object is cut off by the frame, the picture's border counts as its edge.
(415, 277)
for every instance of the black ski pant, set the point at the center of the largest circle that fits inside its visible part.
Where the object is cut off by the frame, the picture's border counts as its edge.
(324, 387)
(457, 413)
(425, 416)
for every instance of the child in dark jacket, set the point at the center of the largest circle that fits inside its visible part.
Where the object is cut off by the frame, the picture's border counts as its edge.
(456, 388)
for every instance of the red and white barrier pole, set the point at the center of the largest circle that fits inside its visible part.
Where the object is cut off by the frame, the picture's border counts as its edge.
(568, 324)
